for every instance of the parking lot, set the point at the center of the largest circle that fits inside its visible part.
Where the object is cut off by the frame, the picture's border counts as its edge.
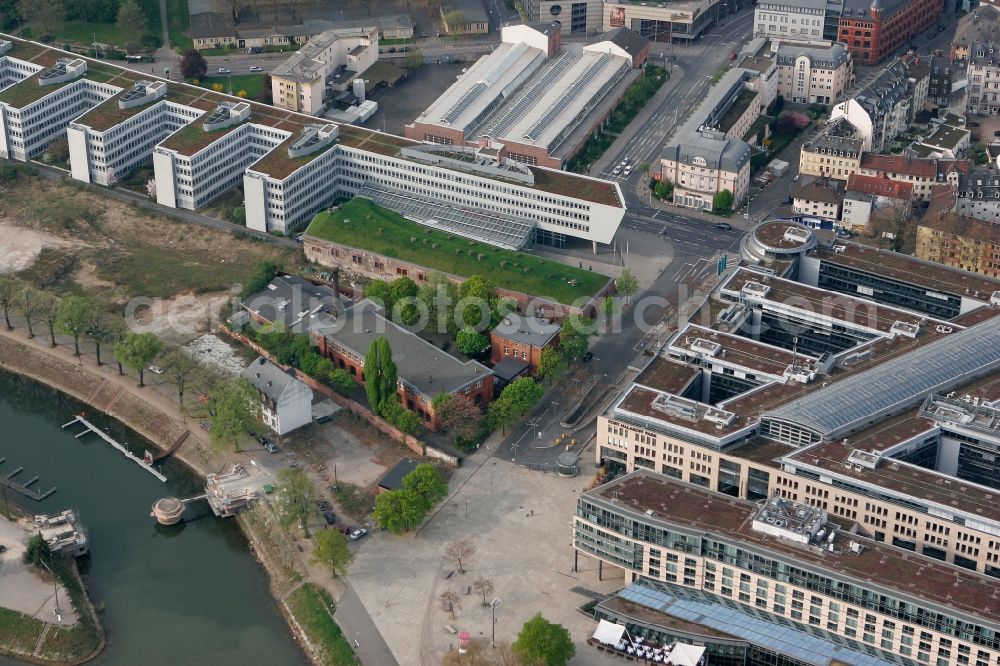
(402, 103)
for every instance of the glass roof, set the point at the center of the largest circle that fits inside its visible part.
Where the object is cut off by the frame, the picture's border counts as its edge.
(897, 383)
(801, 645)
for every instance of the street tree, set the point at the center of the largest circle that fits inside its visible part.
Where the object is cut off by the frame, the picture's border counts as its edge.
(427, 483)
(137, 350)
(398, 510)
(459, 413)
(544, 642)
(459, 552)
(27, 303)
(100, 329)
(193, 65)
(484, 587)
(573, 337)
(550, 364)
(522, 394)
(179, 367)
(330, 550)
(500, 414)
(75, 313)
(413, 60)
(48, 311)
(627, 284)
(450, 601)
(723, 202)
(297, 501)
(132, 23)
(470, 342)
(9, 291)
(234, 405)
(119, 331)
(380, 376)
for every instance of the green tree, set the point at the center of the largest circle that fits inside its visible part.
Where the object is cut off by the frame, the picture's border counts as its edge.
(414, 59)
(723, 202)
(398, 510)
(500, 414)
(664, 190)
(119, 331)
(297, 499)
(46, 14)
(439, 295)
(427, 483)
(573, 337)
(402, 287)
(458, 413)
(380, 292)
(100, 330)
(137, 350)
(28, 300)
(74, 315)
(341, 381)
(194, 66)
(608, 307)
(48, 310)
(179, 367)
(380, 376)
(403, 292)
(406, 420)
(455, 20)
(522, 394)
(544, 642)
(478, 296)
(132, 23)
(470, 342)
(37, 551)
(330, 550)
(627, 284)
(9, 291)
(550, 364)
(234, 405)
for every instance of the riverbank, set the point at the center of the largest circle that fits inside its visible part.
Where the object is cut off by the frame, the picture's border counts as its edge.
(76, 638)
(158, 420)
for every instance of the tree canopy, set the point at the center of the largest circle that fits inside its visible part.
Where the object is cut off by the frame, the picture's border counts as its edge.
(380, 376)
(234, 405)
(723, 202)
(136, 350)
(194, 66)
(75, 313)
(297, 498)
(541, 641)
(330, 550)
(403, 509)
(470, 342)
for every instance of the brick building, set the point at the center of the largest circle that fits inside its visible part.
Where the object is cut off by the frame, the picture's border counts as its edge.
(522, 338)
(423, 370)
(960, 242)
(875, 29)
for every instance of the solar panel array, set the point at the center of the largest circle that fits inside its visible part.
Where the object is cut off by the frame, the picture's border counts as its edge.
(567, 97)
(138, 90)
(221, 112)
(531, 96)
(484, 83)
(495, 229)
(897, 383)
(786, 641)
(57, 69)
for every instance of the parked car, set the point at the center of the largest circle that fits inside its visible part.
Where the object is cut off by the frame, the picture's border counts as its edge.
(270, 448)
(155, 369)
(724, 226)
(329, 517)
(254, 68)
(732, 55)
(225, 70)
(392, 50)
(357, 534)
(344, 529)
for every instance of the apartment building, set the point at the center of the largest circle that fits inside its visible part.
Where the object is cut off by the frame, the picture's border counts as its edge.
(882, 110)
(292, 166)
(978, 195)
(875, 29)
(921, 173)
(813, 73)
(961, 242)
(834, 153)
(332, 57)
(821, 198)
(801, 20)
(942, 75)
(983, 75)
(777, 582)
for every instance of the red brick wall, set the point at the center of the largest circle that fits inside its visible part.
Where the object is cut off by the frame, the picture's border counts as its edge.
(519, 350)
(418, 131)
(888, 32)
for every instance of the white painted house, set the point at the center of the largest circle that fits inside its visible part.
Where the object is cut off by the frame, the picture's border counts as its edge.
(286, 402)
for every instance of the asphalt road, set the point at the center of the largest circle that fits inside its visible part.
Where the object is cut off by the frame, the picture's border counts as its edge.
(360, 631)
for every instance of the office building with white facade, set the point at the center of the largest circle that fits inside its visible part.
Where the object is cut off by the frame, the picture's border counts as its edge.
(203, 143)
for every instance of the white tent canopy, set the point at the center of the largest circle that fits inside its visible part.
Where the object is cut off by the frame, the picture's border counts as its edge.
(610, 633)
(686, 655)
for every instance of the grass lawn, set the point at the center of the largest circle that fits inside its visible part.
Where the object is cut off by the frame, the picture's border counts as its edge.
(311, 607)
(360, 223)
(179, 22)
(18, 632)
(355, 500)
(251, 83)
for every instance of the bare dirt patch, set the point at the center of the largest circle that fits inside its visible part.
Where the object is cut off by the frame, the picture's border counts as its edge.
(19, 248)
(213, 350)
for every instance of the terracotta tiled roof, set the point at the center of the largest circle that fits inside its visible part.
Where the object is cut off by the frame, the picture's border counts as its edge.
(880, 185)
(919, 168)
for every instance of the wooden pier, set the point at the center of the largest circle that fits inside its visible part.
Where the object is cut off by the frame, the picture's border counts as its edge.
(89, 427)
(7, 481)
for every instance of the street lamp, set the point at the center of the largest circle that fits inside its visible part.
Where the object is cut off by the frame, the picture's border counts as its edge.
(94, 35)
(55, 588)
(493, 611)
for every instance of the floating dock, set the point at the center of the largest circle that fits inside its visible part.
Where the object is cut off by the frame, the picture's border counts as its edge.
(7, 481)
(89, 427)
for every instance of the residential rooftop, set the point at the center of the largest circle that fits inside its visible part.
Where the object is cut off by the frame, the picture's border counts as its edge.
(660, 499)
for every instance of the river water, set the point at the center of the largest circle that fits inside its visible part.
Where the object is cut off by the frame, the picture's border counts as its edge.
(185, 595)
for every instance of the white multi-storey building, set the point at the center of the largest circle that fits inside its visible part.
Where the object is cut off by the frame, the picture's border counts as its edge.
(789, 19)
(203, 143)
